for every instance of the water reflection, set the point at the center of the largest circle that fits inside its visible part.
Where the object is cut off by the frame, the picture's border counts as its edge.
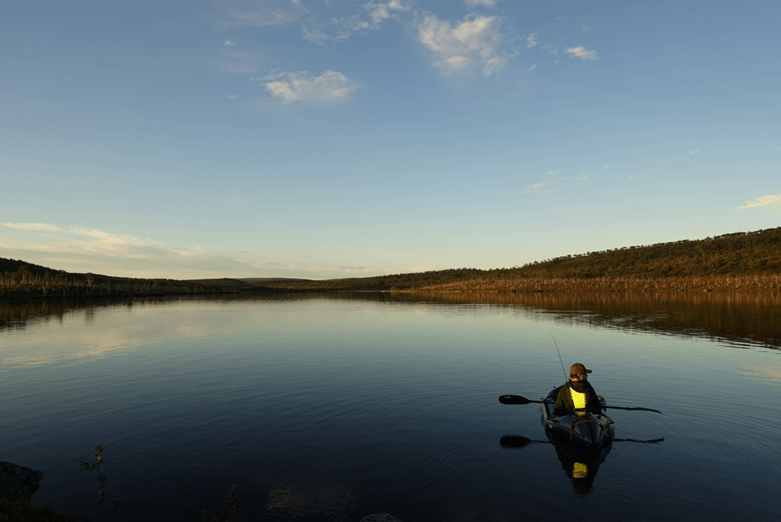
(742, 320)
(579, 465)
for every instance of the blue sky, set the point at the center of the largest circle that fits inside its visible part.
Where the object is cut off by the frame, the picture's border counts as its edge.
(323, 139)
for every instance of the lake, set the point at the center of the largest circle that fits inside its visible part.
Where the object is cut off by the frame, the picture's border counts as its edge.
(333, 407)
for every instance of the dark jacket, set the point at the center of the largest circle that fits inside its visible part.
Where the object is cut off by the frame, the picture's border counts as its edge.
(564, 405)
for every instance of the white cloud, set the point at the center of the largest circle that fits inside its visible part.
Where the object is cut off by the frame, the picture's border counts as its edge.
(380, 12)
(302, 86)
(694, 152)
(474, 41)
(484, 3)
(762, 202)
(586, 28)
(315, 35)
(531, 41)
(228, 42)
(582, 53)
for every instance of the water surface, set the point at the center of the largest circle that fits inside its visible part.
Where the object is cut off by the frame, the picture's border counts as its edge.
(335, 407)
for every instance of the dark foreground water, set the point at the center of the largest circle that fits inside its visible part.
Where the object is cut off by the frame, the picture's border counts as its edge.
(333, 408)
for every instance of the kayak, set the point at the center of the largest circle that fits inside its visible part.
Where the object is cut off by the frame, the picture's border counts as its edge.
(587, 432)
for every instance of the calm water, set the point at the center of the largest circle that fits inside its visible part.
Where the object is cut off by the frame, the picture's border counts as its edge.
(333, 408)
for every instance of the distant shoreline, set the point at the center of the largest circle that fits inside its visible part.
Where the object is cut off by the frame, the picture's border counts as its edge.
(738, 262)
(732, 283)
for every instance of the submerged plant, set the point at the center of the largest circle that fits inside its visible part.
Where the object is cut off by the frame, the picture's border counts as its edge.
(94, 465)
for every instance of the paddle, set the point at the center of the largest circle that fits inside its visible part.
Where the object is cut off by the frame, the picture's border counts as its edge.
(517, 399)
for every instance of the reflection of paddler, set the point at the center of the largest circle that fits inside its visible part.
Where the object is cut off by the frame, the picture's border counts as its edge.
(581, 466)
(579, 470)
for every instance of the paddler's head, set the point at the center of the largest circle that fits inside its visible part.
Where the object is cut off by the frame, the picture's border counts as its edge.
(578, 372)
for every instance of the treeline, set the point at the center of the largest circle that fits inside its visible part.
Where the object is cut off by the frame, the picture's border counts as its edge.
(388, 282)
(20, 280)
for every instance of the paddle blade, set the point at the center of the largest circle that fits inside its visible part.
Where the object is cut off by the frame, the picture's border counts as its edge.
(513, 399)
(514, 441)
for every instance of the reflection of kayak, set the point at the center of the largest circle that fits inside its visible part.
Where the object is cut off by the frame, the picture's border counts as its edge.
(588, 432)
(581, 465)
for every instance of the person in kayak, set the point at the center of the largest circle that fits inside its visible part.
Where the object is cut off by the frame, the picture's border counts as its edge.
(577, 396)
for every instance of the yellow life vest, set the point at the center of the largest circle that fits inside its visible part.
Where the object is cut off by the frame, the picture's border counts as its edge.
(579, 401)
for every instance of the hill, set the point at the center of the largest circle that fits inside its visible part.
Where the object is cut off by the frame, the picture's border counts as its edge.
(742, 260)
(737, 260)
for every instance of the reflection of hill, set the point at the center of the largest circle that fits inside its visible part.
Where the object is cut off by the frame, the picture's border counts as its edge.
(740, 318)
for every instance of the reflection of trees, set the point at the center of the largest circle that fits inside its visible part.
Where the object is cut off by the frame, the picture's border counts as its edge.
(741, 318)
(750, 318)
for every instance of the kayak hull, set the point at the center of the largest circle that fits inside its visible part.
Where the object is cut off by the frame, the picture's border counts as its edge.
(585, 432)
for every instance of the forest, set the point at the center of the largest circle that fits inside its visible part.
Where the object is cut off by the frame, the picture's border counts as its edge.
(747, 261)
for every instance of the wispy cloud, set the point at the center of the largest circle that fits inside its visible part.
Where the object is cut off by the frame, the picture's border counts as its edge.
(531, 41)
(229, 43)
(330, 86)
(551, 183)
(263, 14)
(83, 249)
(77, 231)
(483, 3)
(369, 19)
(477, 40)
(76, 241)
(43, 227)
(582, 53)
(762, 202)
(239, 62)
(694, 152)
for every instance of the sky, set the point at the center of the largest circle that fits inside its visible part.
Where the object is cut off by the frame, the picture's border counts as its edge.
(327, 139)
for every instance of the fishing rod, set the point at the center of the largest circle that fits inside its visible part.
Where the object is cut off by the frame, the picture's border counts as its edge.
(558, 352)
